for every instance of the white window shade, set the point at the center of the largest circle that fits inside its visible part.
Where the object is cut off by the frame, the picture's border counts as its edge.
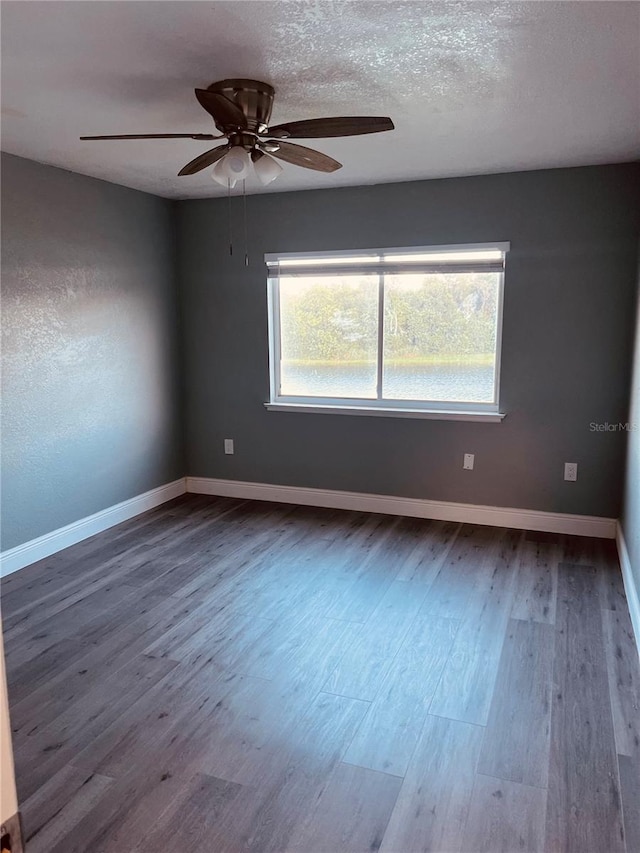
(486, 258)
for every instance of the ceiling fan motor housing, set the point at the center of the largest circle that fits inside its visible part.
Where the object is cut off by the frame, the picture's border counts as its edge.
(243, 138)
(254, 98)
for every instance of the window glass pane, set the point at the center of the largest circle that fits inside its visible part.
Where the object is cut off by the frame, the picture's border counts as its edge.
(329, 336)
(440, 337)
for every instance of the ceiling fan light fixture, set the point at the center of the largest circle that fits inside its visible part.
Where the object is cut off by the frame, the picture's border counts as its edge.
(267, 169)
(219, 174)
(236, 163)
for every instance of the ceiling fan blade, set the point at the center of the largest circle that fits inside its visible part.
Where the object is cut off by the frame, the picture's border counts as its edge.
(327, 127)
(306, 157)
(203, 136)
(204, 160)
(225, 113)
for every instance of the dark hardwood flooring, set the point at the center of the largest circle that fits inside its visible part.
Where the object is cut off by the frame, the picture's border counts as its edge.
(220, 675)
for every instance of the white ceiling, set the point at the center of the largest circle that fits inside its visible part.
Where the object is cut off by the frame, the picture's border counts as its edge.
(473, 87)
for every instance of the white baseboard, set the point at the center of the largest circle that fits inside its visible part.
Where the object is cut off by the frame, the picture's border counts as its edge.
(522, 519)
(37, 549)
(631, 590)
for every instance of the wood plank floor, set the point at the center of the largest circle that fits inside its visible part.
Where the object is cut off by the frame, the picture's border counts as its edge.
(222, 675)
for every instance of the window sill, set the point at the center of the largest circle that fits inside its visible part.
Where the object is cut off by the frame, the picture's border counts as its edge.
(427, 414)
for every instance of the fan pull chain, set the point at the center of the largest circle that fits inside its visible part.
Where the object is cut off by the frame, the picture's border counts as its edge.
(229, 213)
(244, 210)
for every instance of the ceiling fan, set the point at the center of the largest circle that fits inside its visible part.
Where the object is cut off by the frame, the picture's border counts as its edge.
(241, 110)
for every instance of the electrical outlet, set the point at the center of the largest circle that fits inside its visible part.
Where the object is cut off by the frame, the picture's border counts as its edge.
(571, 471)
(469, 459)
(228, 446)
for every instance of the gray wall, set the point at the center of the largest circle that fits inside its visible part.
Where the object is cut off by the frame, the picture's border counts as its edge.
(91, 410)
(92, 406)
(570, 291)
(631, 508)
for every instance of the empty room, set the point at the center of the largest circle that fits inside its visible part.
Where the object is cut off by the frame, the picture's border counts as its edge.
(320, 460)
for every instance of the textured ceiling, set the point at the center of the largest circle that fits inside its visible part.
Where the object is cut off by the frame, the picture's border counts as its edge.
(473, 87)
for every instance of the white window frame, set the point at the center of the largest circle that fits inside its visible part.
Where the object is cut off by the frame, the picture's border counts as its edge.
(371, 261)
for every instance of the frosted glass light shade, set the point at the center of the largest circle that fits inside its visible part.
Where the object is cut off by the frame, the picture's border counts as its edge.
(219, 174)
(236, 163)
(267, 169)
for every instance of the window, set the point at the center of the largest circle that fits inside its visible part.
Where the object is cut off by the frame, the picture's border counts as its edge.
(413, 332)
